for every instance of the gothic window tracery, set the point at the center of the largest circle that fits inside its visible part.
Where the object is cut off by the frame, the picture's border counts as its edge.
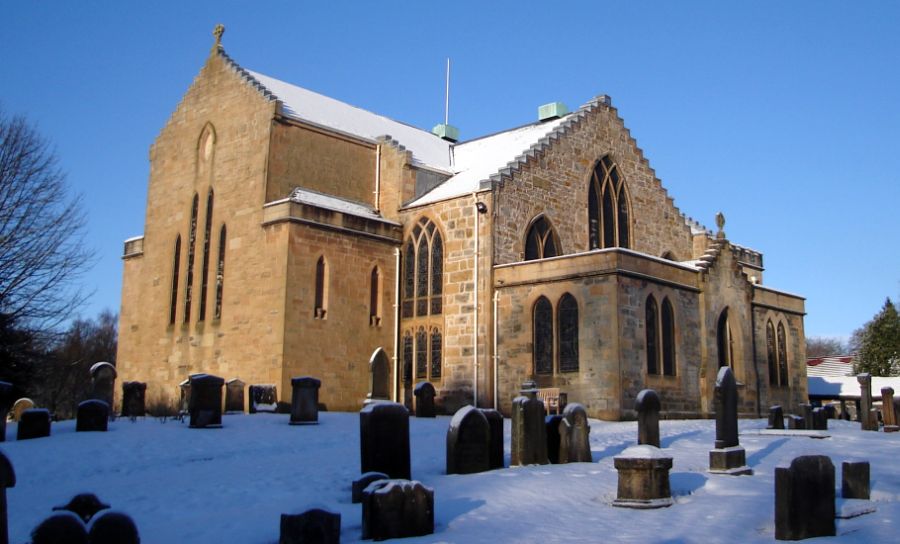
(540, 241)
(608, 207)
(423, 271)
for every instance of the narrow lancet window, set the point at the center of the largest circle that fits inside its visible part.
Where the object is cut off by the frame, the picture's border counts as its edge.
(421, 354)
(651, 324)
(543, 336)
(321, 288)
(192, 238)
(724, 340)
(568, 334)
(782, 355)
(176, 264)
(667, 325)
(204, 280)
(772, 353)
(436, 354)
(220, 272)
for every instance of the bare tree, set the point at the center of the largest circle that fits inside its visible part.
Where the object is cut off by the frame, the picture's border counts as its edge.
(823, 346)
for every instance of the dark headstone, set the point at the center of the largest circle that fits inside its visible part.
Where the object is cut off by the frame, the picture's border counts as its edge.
(643, 472)
(819, 419)
(7, 479)
(305, 400)
(647, 405)
(804, 499)
(728, 457)
(379, 375)
(83, 505)
(34, 423)
(776, 418)
(263, 398)
(806, 410)
(831, 412)
(113, 528)
(855, 480)
(468, 442)
(63, 528)
(313, 526)
(867, 421)
(529, 440)
(796, 422)
(887, 410)
(19, 407)
(103, 382)
(133, 399)
(361, 483)
(6, 391)
(93, 415)
(384, 439)
(206, 401)
(397, 509)
(424, 393)
(234, 395)
(551, 430)
(495, 446)
(575, 435)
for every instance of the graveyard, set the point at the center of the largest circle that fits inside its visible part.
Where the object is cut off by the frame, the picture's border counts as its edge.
(232, 483)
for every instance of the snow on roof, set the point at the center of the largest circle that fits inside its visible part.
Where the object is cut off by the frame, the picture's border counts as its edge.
(846, 386)
(313, 198)
(830, 366)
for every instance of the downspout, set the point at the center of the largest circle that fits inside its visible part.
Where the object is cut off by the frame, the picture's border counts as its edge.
(755, 362)
(378, 179)
(396, 356)
(496, 354)
(475, 309)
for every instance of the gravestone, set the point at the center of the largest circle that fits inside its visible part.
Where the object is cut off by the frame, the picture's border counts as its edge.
(855, 480)
(7, 479)
(113, 528)
(6, 391)
(379, 376)
(529, 440)
(206, 401)
(263, 398)
(643, 472)
(866, 419)
(495, 446)
(831, 412)
(728, 457)
(316, 525)
(134, 399)
(575, 435)
(92, 415)
(185, 388)
(425, 394)
(804, 498)
(806, 410)
(234, 396)
(34, 423)
(887, 410)
(796, 422)
(360, 484)
(83, 505)
(647, 405)
(305, 401)
(551, 430)
(60, 528)
(384, 439)
(819, 419)
(776, 417)
(397, 509)
(19, 407)
(468, 442)
(103, 382)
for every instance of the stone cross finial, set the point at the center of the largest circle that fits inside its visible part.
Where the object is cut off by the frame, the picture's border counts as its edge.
(720, 222)
(217, 32)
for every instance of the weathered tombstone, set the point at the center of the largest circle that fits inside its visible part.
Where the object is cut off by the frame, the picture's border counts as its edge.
(379, 376)
(647, 405)
(34, 423)
(19, 408)
(495, 422)
(867, 421)
(728, 457)
(468, 442)
(103, 382)
(397, 509)
(384, 439)
(234, 395)
(133, 399)
(305, 401)
(7, 479)
(60, 528)
(185, 389)
(776, 417)
(361, 483)
(887, 410)
(819, 419)
(316, 525)
(831, 412)
(263, 398)
(113, 528)
(855, 480)
(574, 435)
(83, 505)
(551, 430)
(804, 498)
(529, 440)
(92, 415)
(425, 394)
(807, 413)
(206, 401)
(6, 391)
(643, 478)
(796, 422)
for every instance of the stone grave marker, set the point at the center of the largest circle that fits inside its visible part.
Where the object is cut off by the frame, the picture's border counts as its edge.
(855, 480)
(234, 396)
(495, 422)
(424, 393)
(134, 399)
(92, 415)
(796, 422)
(103, 382)
(819, 419)
(83, 505)
(397, 509)
(315, 525)
(384, 439)
(831, 412)
(575, 435)
(263, 398)
(804, 498)
(6, 391)
(866, 419)
(113, 528)
(19, 408)
(7, 479)
(728, 457)
(305, 401)
(887, 410)
(379, 376)
(647, 405)
(361, 483)
(34, 423)
(64, 527)
(807, 413)
(468, 442)
(776, 417)
(551, 430)
(529, 440)
(206, 401)
(643, 472)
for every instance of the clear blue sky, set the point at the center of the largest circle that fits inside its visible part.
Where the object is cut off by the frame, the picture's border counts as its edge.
(784, 115)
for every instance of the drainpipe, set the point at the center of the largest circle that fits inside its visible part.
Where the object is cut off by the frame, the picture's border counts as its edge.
(378, 179)
(496, 354)
(755, 364)
(475, 310)
(396, 323)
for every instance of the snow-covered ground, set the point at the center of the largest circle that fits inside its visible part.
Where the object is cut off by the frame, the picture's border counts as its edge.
(231, 484)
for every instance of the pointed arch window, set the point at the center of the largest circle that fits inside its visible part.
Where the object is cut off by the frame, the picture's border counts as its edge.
(782, 355)
(724, 340)
(660, 325)
(543, 336)
(667, 325)
(192, 238)
(772, 353)
(423, 274)
(220, 271)
(375, 297)
(407, 357)
(651, 323)
(176, 264)
(321, 306)
(608, 207)
(541, 241)
(204, 280)
(568, 333)
(421, 355)
(436, 354)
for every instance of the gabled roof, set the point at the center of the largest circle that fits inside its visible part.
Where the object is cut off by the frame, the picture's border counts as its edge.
(830, 366)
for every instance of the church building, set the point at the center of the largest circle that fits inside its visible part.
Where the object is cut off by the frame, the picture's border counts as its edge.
(290, 234)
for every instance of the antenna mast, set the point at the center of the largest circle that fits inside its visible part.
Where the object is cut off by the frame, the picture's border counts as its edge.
(447, 96)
